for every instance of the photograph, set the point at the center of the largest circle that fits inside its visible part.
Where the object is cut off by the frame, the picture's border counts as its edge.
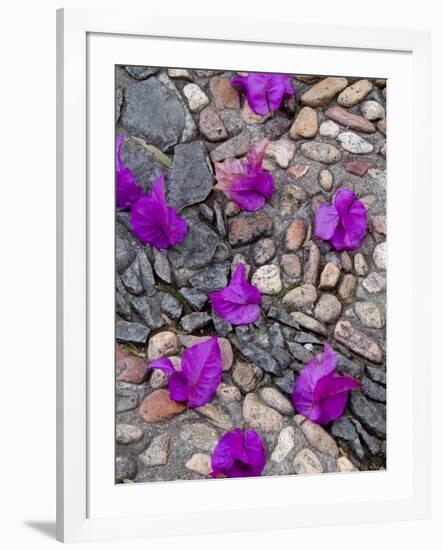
(250, 274)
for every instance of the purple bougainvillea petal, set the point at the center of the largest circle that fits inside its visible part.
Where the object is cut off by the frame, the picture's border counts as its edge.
(178, 387)
(326, 221)
(154, 222)
(243, 181)
(256, 154)
(238, 454)
(201, 368)
(255, 86)
(254, 448)
(237, 303)
(265, 92)
(128, 190)
(320, 393)
(331, 394)
(343, 223)
(251, 193)
(279, 86)
(164, 364)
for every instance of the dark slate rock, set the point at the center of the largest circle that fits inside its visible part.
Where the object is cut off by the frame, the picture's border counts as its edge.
(124, 253)
(119, 98)
(127, 400)
(255, 354)
(286, 382)
(195, 321)
(191, 178)
(122, 219)
(367, 412)
(220, 225)
(141, 73)
(345, 430)
(373, 390)
(283, 317)
(346, 366)
(122, 307)
(222, 252)
(142, 163)
(154, 113)
(206, 212)
(275, 335)
(282, 356)
(299, 352)
(197, 249)
(222, 327)
(373, 444)
(161, 266)
(377, 375)
(131, 278)
(213, 277)
(131, 332)
(170, 305)
(194, 297)
(125, 468)
(306, 338)
(149, 311)
(146, 274)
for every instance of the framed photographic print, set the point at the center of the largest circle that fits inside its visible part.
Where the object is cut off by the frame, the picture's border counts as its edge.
(232, 333)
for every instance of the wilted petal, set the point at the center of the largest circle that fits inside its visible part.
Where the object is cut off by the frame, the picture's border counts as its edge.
(154, 222)
(238, 454)
(128, 190)
(237, 303)
(256, 154)
(243, 181)
(201, 368)
(251, 193)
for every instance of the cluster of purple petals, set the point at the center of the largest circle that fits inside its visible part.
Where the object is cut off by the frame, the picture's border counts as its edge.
(343, 223)
(153, 221)
(200, 374)
(238, 454)
(265, 92)
(243, 180)
(320, 393)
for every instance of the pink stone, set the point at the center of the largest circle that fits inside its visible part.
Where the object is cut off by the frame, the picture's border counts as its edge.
(355, 122)
(130, 368)
(358, 167)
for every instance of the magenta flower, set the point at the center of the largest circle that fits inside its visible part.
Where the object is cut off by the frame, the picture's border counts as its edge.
(200, 374)
(128, 190)
(238, 454)
(237, 303)
(265, 92)
(343, 223)
(320, 393)
(243, 180)
(154, 222)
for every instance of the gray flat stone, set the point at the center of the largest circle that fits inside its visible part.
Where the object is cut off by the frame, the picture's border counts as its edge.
(191, 179)
(154, 113)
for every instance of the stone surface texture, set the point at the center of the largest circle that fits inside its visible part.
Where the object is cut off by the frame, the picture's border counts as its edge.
(333, 134)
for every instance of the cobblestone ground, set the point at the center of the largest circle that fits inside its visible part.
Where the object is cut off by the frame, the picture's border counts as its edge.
(332, 135)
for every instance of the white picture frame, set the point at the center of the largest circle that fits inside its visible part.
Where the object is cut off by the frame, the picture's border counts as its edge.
(89, 505)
